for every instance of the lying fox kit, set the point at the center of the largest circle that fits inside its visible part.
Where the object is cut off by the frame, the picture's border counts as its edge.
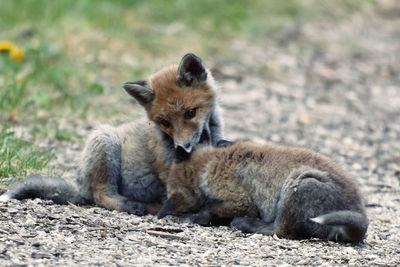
(123, 168)
(291, 192)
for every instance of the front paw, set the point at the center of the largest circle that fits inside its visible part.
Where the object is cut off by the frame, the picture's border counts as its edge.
(224, 143)
(199, 218)
(242, 224)
(134, 207)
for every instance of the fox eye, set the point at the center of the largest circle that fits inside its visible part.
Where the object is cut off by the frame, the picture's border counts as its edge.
(190, 114)
(165, 123)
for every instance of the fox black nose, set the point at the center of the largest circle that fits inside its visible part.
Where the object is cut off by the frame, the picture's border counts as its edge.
(181, 153)
(187, 147)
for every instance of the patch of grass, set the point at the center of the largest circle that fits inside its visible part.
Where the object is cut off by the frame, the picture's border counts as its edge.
(18, 157)
(66, 134)
(45, 80)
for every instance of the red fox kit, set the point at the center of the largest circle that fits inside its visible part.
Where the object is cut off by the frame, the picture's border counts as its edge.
(123, 168)
(291, 192)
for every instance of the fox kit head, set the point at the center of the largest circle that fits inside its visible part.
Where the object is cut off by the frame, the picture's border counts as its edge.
(179, 100)
(185, 192)
(180, 203)
(182, 199)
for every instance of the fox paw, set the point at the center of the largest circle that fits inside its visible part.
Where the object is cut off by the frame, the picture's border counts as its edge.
(224, 143)
(253, 225)
(242, 224)
(134, 207)
(199, 218)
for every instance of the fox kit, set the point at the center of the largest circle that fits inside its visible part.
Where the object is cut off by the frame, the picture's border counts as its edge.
(123, 168)
(291, 192)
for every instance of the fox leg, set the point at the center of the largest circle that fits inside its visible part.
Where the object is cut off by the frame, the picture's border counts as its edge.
(204, 215)
(318, 207)
(218, 212)
(253, 225)
(105, 197)
(101, 172)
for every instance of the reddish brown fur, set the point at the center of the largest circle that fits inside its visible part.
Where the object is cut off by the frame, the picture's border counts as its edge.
(222, 168)
(99, 183)
(171, 102)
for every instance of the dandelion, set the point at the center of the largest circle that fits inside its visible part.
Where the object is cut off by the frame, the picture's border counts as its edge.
(15, 52)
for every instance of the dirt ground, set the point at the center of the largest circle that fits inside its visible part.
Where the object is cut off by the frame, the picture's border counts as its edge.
(334, 88)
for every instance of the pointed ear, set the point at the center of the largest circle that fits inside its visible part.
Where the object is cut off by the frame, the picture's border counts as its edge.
(191, 71)
(168, 208)
(140, 91)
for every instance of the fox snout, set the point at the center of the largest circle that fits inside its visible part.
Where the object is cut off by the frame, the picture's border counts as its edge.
(187, 147)
(184, 145)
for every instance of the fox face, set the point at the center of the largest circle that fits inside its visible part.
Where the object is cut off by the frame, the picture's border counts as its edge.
(186, 184)
(182, 202)
(182, 199)
(179, 100)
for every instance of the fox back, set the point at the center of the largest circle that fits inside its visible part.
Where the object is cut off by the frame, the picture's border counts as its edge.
(291, 192)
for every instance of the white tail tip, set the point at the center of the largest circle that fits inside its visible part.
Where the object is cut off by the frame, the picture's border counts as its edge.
(4, 197)
(319, 219)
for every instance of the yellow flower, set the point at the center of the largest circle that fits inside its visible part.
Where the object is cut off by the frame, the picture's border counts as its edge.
(5, 45)
(15, 52)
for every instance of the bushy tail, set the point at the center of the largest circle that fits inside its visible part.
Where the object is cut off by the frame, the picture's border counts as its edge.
(346, 226)
(52, 188)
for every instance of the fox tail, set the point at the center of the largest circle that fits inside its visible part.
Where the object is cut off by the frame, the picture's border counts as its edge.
(345, 226)
(44, 187)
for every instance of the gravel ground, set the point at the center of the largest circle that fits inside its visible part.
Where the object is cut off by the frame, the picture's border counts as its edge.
(334, 88)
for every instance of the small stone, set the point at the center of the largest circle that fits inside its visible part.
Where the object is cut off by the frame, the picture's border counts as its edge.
(304, 118)
(352, 263)
(12, 210)
(349, 250)
(70, 239)
(257, 236)
(275, 138)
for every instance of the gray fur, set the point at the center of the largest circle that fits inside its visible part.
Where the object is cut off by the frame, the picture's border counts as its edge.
(345, 224)
(253, 225)
(102, 142)
(53, 188)
(311, 193)
(139, 181)
(306, 193)
(215, 124)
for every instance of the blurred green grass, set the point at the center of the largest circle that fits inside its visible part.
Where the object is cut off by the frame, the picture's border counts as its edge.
(79, 52)
(17, 157)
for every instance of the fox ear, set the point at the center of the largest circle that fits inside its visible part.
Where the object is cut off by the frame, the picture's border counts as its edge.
(168, 208)
(191, 71)
(140, 91)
